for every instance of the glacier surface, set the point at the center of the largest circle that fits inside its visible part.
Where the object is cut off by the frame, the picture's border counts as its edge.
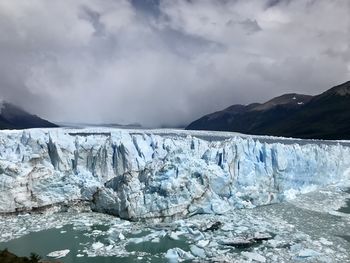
(146, 174)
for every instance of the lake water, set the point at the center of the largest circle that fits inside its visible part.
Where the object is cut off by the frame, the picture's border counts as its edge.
(68, 237)
(46, 241)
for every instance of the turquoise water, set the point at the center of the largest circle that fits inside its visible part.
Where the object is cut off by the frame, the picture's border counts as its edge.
(46, 241)
(76, 241)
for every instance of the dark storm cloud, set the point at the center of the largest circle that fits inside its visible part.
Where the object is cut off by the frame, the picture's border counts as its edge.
(250, 26)
(166, 61)
(147, 6)
(94, 18)
(272, 3)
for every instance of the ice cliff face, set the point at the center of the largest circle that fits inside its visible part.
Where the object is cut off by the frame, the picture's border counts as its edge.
(146, 175)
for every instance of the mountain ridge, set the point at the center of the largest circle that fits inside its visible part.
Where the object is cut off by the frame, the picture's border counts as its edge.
(323, 116)
(14, 117)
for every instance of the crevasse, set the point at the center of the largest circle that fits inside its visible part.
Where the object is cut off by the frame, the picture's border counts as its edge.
(146, 175)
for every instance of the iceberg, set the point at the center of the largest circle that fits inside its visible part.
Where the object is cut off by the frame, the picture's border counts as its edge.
(254, 256)
(59, 254)
(154, 174)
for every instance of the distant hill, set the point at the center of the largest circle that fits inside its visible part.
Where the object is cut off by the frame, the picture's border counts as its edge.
(13, 117)
(325, 116)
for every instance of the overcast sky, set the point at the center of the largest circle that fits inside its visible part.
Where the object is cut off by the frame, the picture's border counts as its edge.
(166, 62)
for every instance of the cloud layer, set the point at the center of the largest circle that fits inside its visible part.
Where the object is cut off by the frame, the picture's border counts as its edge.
(166, 62)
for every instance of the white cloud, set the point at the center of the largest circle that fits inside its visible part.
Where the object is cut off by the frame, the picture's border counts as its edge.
(108, 61)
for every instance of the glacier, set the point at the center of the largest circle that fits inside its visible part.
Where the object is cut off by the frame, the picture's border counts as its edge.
(154, 174)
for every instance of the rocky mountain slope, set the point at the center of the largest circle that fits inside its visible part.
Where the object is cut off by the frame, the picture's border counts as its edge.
(325, 116)
(13, 117)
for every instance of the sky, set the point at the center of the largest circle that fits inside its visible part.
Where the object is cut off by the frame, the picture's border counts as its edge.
(166, 62)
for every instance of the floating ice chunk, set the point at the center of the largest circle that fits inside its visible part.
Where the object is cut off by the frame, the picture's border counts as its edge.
(177, 255)
(109, 247)
(175, 235)
(172, 255)
(155, 240)
(329, 251)
(59, 253)
(197, 251)
(96, 232)
(276, 243)
(80, 255)
(121, 236)
(305, 253)
(228, 227)
(184, 255)
(203, 243)
(198, 235)
(241, 229)
(6, 235)
(296, 247)
(97, 245)
(137, 240)
(254, 256)
(325, 242)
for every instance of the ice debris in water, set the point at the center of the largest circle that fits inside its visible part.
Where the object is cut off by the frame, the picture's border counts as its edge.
(59, 253)
(282, 236)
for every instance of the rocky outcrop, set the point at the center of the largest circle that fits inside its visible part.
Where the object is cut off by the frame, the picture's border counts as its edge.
(146, 175)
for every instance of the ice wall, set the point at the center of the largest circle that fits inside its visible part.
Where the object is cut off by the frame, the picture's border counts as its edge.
(144, 175)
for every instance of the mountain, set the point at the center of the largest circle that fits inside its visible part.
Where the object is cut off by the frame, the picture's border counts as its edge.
(13, 117)
(325, 116)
